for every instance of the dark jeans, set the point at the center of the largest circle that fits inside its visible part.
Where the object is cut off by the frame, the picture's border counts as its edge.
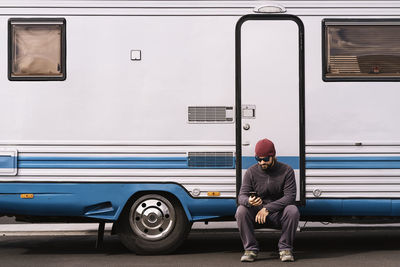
(287, 220)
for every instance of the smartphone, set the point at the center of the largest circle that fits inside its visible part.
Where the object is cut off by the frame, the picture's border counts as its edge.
(253, 194)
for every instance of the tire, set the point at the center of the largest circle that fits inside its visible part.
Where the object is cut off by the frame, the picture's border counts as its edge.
(153, 224)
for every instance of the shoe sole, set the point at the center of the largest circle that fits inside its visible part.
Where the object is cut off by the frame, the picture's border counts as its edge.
(247, 259)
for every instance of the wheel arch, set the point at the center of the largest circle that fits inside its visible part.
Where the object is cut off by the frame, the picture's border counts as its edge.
(195, 209)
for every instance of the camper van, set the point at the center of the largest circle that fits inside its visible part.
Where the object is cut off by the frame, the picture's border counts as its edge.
(146, 113)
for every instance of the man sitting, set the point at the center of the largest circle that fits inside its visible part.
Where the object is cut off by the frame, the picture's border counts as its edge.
(271, 203)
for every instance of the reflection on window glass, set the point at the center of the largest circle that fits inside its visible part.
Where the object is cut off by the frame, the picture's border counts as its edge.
(36, 49)
(362, 51)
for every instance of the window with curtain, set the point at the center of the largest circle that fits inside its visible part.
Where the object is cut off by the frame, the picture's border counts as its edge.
(361, 50)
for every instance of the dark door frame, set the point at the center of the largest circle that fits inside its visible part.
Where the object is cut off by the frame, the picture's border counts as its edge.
(238, 97)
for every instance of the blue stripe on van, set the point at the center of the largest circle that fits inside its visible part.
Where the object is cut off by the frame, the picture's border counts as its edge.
(353, 163)
(351, 207)
(104, 162)
(101, 200)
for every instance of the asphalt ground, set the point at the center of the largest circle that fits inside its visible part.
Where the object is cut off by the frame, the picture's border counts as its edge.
(208, 248)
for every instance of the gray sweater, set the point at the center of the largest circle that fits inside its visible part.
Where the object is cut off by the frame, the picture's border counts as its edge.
(276, 186)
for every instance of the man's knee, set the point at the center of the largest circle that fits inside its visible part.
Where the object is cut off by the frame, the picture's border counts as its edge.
(292, 212)
(241, 212)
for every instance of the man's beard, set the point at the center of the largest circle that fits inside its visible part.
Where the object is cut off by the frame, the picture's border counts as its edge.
(267, 166)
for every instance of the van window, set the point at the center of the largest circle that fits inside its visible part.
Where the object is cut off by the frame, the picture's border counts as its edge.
(361, 50)
(36, 49)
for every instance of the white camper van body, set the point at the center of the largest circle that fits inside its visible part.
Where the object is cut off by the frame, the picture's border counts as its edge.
(163, 101)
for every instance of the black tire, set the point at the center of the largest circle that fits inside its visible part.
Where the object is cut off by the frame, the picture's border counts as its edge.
(153, 224)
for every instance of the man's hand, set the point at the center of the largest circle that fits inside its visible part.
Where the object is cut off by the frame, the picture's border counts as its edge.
(255, 201)
(261, 216)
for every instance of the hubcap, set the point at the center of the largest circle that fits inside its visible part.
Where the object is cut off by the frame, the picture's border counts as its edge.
(152, 217)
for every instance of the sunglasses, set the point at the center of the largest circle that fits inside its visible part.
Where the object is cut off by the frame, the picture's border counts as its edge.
(265, 159)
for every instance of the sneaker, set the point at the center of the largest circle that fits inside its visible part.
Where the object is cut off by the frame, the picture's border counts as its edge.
(249, 256)
(286, 255)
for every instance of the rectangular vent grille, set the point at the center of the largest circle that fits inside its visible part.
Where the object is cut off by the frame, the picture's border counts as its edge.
(210, 114)
(211, 160)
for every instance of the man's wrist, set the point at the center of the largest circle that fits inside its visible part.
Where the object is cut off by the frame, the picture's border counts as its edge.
(267, 207)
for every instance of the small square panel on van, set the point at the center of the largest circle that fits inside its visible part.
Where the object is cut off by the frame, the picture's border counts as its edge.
(136, 55)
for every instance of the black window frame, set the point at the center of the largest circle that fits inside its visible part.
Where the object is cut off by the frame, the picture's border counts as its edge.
(62, 22)
(352, 79)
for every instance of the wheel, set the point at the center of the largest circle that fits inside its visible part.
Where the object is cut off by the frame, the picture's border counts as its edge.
(153, 224)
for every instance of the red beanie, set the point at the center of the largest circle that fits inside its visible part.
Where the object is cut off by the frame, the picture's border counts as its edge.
(265, 148)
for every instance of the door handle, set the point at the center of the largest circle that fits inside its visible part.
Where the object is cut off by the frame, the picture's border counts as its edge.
(248, 111)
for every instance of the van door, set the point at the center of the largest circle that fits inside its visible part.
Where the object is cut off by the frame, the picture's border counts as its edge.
(270, 91)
